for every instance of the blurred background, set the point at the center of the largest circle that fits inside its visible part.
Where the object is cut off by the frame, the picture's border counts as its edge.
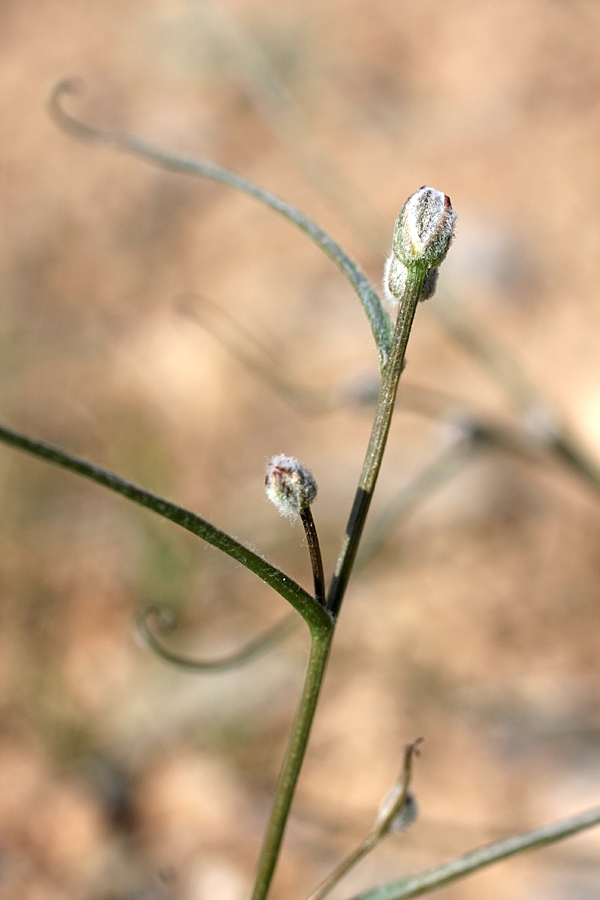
(180, 334)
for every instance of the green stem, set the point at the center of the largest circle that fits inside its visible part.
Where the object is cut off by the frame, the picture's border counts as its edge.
(310, 610)
(321, 644)
(379, 435)
(292, 763)
(481, 857)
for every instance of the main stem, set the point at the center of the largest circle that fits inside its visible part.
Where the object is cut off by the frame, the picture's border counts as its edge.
(379, 435)
(321, 640)
(292, 763)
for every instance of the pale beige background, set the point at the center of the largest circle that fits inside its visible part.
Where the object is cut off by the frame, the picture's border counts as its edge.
(477, 628)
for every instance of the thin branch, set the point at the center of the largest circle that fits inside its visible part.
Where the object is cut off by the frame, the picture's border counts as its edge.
(251, 651)
(314, 549)
(379, 319)
(314, 614)
(461, 866)
(401, 801)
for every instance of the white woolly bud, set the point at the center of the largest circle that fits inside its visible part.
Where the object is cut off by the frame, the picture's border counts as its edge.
(422, 234)
(394, 279)
(429, 283)
(425, 228)
(290, 486)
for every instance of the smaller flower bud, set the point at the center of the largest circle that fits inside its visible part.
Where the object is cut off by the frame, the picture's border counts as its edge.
(424, 229)
(407, 815)
(398, 811)
(429, 283)
(394, 281)
(290, 486)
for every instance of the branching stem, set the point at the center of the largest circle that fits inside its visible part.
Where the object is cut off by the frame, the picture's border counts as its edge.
(292, 763)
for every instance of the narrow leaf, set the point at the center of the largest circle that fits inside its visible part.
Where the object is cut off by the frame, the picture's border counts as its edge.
(301, 600)
(379, 319)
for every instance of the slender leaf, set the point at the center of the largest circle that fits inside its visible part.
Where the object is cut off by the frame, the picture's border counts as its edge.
(301, 600)
(379, 319)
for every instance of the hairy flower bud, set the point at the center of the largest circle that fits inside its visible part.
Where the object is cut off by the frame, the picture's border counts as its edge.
(290, 486)
(424, 229)
(422, 234)
(394, 279)
(429, 283)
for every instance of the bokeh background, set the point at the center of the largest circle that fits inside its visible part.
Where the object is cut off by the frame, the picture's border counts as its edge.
(123, 288)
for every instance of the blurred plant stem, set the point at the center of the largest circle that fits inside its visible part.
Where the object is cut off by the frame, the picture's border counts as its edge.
(260, 81)
(255, 648)
(461, 866)
(542, 424)
(394, 808)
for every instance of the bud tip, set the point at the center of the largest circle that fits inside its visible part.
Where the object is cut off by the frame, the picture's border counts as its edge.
(422, 236)
(289, 485)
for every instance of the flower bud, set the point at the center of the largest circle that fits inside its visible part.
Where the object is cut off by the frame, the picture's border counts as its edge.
(424, 229)
(429, 283)
(398, 811)
(394, 281)
(407, 815)
(290, 486)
